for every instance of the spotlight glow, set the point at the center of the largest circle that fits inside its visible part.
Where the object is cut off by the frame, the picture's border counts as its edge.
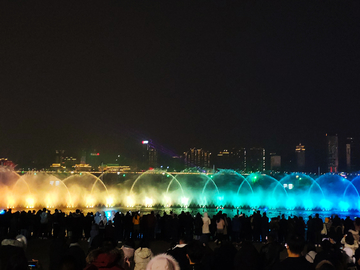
(148, 202)
(30, 202)
(185, 201)
(130, 201)
(109, 202)
(90, 201)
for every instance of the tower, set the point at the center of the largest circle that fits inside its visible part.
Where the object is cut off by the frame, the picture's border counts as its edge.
(332, 153)
(197, 158)
(149, 155)
(300, 157)
(275, 161)
(255, 159)
(351, 155)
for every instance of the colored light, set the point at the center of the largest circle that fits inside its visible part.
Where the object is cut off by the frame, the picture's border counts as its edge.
(308, 205)
(325, 204)
(185, 201)
(145, 142)
(148, 201)
(344, 206)
(109, 202)
(290, 204)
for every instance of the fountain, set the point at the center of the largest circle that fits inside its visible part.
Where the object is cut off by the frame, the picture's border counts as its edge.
(158, 188)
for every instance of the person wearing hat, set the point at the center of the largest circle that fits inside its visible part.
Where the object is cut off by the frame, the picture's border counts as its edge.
(163, 262)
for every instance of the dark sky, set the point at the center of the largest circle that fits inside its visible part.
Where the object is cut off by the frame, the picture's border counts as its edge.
(211, 74)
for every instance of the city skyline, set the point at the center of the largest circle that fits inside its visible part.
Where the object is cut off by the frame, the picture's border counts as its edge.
(334, 157)
(213, 75)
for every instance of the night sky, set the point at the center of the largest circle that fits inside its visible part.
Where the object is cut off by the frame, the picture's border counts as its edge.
(213, 74)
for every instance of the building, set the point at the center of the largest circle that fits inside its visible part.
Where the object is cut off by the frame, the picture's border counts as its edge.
(69, 163)
(56, 167)
(255, 159)
(230, 159)
(82, 167)
(149, 156)
(83, 157)
(7, 163)
(153, 158)
(94, 159)
(59, 156)
(352, 157)
(223, 159)
(116, 168)
(197, 157)
(332, 154)
(275, 162)
(300, 157)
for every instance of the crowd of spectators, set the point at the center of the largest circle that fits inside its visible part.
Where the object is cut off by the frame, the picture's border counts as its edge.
(122, 241)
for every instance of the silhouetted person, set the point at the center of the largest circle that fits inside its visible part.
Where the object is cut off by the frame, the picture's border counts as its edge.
(270, 253)
(247, 258)
(76, 252)
(179, 254)
(295, 261)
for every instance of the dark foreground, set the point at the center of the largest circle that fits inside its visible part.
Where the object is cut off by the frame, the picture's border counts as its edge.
(39, 249)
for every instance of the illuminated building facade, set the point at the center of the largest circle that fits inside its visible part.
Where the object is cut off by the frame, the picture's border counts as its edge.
(94, 159)
(255, 159)
(82, 167)
(116, 168)
(231, 159)
(59, 156)
(153, 157)
(197, 157)
(332, 154)
(352, 157)
(7, 163)
(275, 161)
(69, 163)
(300, 157)
(149, 156)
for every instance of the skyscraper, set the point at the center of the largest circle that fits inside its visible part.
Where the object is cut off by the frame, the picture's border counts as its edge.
(230, 159)
(197, 158)
(153, 159)
(300, 157)
(255, 159)
(149, 156)
(332, 153)
(275, 161)
(59, 156)
(351, 155)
